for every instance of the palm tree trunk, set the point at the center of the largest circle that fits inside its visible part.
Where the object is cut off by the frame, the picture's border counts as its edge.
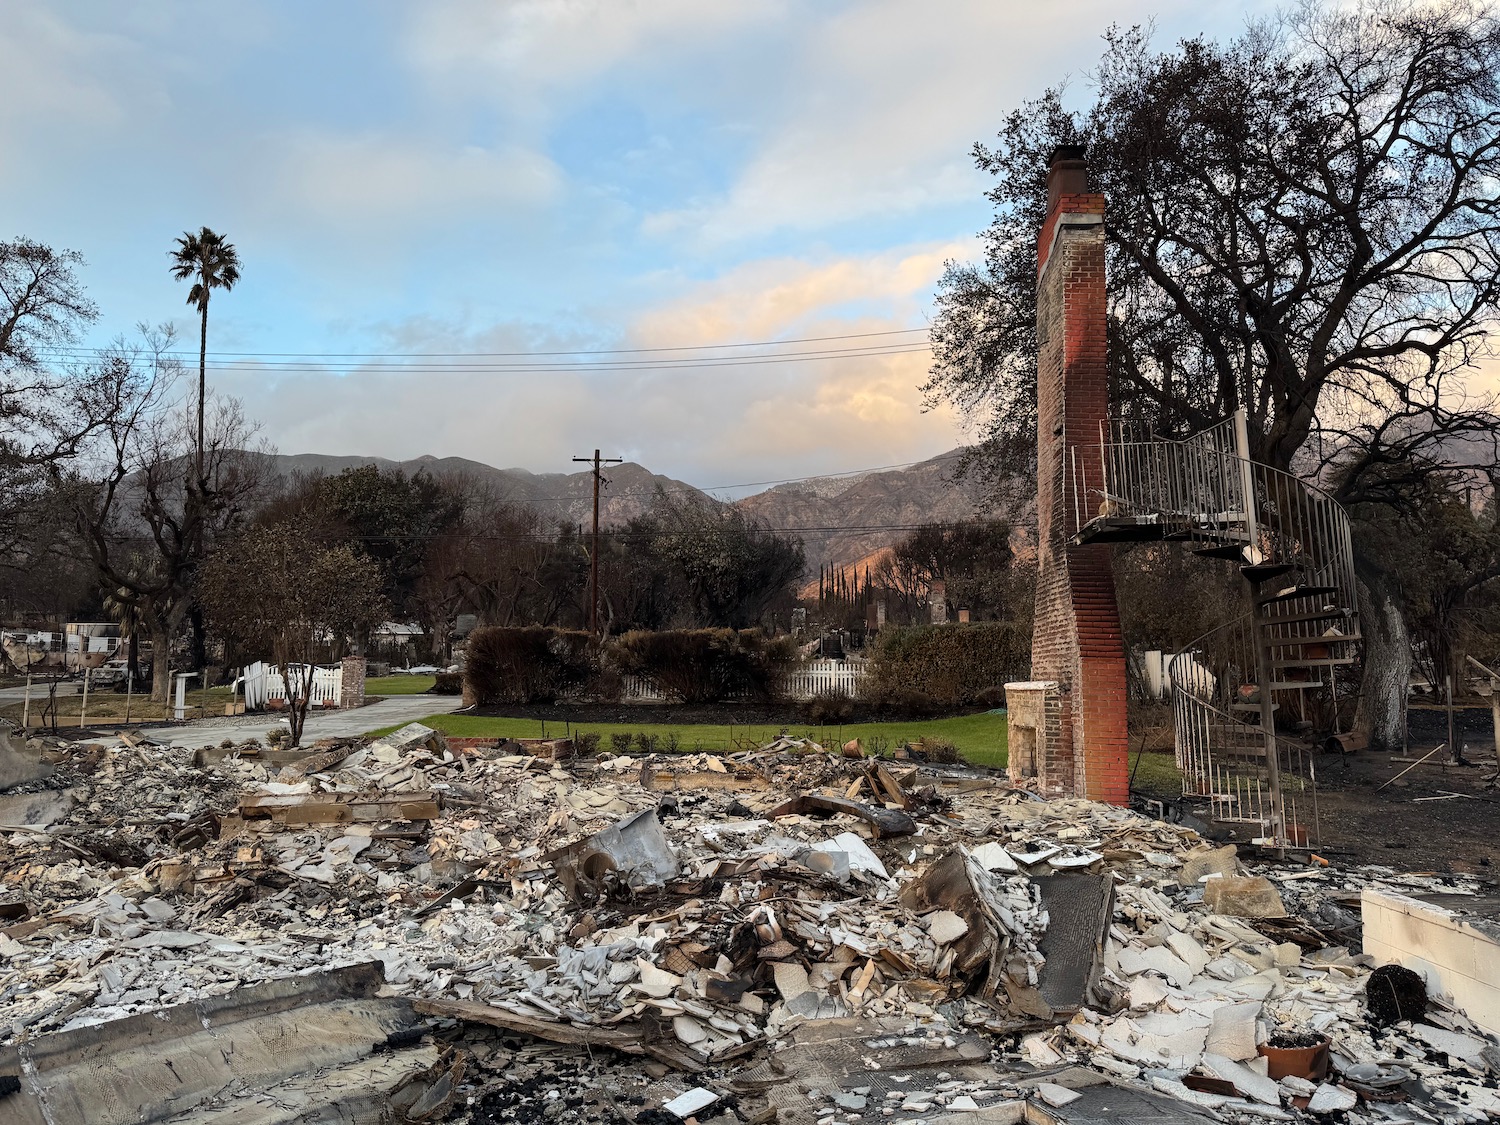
(202, 377)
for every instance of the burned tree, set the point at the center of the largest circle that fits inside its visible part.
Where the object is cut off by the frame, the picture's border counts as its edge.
(281, 590)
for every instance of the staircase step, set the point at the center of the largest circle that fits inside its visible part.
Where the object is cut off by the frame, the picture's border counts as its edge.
(1315, 662)
(1289, 685)
(1261, 572)
(1301, 618)
(1250, 706)
(1303, 641)
(1292, 592)
(1235, 552)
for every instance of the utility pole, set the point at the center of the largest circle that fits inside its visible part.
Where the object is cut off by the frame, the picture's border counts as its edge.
(594, 550)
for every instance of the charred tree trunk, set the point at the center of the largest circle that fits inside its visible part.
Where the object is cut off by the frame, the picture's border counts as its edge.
(1381, 713)
(161, 665)
(198, 657)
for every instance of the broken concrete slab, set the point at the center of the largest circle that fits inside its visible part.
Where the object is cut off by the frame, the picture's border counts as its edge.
(149, 1067)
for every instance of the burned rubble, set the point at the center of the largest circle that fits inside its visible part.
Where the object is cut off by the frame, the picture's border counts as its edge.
(419, 929)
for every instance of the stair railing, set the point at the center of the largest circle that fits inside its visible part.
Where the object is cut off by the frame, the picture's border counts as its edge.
(1292, 543)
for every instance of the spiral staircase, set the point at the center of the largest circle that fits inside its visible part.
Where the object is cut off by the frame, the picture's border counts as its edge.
(1291, 544)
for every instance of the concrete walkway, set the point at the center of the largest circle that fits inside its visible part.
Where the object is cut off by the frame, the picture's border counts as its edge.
(394, 710)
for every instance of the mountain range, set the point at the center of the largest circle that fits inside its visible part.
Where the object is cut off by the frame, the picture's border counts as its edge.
(842, 520)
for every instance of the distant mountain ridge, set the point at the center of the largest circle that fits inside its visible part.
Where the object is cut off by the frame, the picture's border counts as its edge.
(558, 497)
(842, 520)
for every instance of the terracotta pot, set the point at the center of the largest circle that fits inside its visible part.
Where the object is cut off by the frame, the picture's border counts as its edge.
(1310, 1063)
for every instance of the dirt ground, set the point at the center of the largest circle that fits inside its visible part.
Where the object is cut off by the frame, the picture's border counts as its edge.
(1438, 817)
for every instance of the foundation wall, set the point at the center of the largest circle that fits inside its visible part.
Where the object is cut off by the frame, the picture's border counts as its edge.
(1457, 959)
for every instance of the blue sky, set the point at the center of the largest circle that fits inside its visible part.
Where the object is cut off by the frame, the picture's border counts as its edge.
(459, 176)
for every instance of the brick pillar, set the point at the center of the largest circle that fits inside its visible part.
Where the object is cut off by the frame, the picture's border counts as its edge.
(1076, 641)
(352, 691)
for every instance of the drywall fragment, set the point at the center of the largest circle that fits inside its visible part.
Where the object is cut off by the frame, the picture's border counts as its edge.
(1330, 1099)
(944, 926)
(1244, 1080)
(691, 1103)
(1208, 861)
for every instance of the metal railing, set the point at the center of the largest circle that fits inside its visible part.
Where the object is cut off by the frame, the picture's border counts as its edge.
(1292, 543)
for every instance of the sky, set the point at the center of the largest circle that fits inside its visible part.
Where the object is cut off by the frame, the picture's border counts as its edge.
(426, 196)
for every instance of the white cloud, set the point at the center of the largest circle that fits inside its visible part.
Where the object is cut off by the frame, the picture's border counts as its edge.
(357, 179)
(54, 76)
(523, 51)
(709, 425)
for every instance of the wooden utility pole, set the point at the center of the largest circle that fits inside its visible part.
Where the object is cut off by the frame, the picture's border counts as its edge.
(594, 549)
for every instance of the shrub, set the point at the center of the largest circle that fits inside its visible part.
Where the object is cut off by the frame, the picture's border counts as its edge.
(901, 702)
(833, 705)
(527, 665)
(648, 743)
(706, 665)
(586, 744)
(937, 750)
(447, 683)
(954, 665)
(620, 741)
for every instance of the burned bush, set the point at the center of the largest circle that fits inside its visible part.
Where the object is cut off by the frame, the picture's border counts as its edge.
(706, 665)
(527, 665)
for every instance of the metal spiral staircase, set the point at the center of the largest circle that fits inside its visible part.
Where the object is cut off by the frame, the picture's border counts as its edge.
(1292, 546)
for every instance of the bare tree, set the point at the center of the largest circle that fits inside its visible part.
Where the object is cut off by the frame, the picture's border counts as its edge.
(51, 404)
(1301, 222)
(282, 589)
(141, 511)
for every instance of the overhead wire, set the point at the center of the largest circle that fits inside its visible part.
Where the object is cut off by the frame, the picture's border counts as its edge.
(61, 349)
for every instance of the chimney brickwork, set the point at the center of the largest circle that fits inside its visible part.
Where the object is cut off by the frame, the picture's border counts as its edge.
(1076, 640)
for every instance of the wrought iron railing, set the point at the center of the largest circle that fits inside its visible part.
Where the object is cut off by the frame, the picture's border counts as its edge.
(1291, 541)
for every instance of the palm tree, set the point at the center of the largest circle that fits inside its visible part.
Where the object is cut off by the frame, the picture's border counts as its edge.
(212, 263)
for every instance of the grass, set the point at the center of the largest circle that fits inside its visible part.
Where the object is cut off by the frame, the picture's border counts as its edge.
(398, 685)
(979, 738)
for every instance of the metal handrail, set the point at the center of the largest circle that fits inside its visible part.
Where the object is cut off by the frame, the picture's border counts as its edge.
(1206, 488)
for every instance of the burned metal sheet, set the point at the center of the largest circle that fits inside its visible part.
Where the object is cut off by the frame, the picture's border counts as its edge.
(1079, 909)
(633, 853)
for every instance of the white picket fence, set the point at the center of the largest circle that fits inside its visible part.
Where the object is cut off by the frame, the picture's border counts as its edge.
(262, 683)
(806, 681)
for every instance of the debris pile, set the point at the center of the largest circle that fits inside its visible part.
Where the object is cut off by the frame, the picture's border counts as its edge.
(823, 937)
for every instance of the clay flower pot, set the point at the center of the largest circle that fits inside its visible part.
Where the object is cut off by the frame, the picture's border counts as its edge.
(1310, 1063)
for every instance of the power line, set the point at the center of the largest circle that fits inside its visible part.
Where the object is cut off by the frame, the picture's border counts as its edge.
(482, 355)
(621, 366)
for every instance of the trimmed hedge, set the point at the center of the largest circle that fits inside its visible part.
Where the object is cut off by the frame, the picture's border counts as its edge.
(951, 665)
(527, 665)
(706, 665)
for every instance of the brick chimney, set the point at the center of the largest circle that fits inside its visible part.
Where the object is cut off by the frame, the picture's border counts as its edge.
(1077, 653)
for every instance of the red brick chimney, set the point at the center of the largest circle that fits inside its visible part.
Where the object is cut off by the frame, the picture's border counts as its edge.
(1076, 642)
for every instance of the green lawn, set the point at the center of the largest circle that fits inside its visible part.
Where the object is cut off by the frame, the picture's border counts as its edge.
(980, 738)
(398, 685)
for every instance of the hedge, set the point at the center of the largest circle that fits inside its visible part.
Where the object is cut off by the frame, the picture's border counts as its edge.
(527, 665)
(953, 665)
(706, 665)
